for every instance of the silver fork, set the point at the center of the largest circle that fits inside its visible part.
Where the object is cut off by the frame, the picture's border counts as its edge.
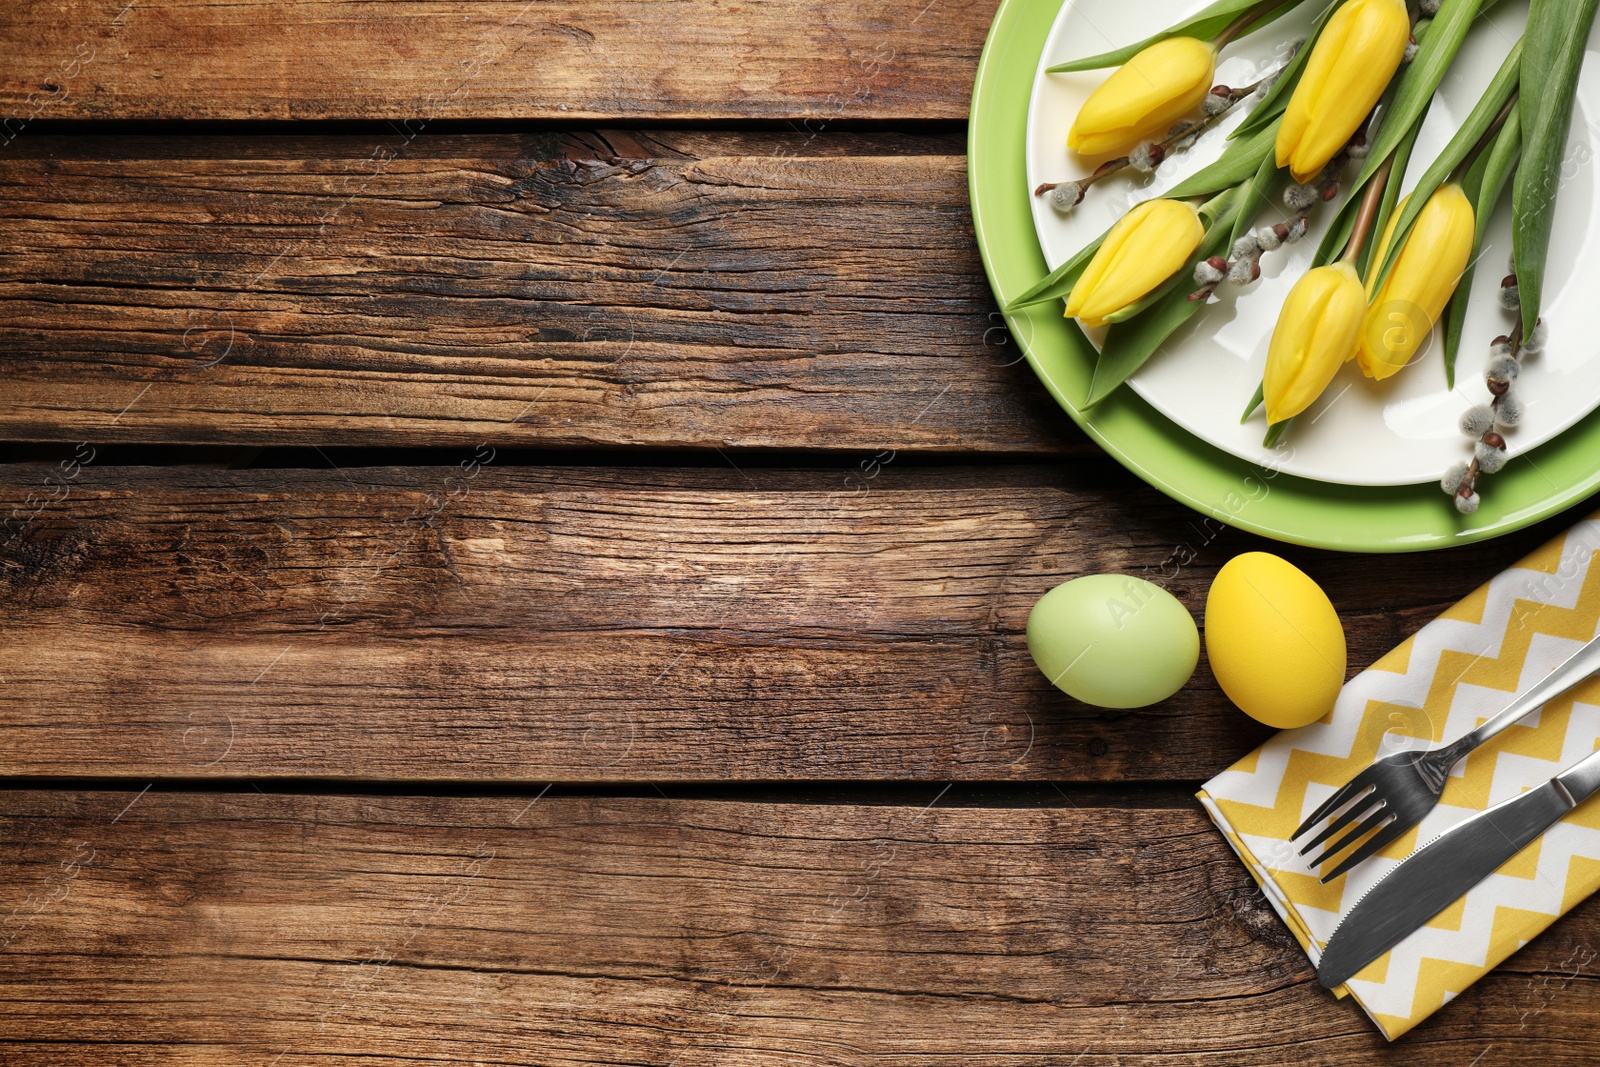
(1393, 794)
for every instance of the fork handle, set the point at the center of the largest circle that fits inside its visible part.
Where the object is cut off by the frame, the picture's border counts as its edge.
(1580, 665)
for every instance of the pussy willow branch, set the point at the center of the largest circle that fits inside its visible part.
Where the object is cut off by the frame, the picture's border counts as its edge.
(1469, 481)
(1180, 134)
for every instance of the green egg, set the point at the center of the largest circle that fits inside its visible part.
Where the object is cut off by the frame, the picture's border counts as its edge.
(1113, 640)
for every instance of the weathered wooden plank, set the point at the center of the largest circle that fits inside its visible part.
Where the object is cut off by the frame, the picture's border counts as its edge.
(555, 290)
(224, 928)
(567, 624)
(475, 59)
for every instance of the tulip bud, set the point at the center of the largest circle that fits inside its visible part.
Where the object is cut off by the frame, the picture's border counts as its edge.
(1354, 59)
(1317, 328)
(1143, 96)
(1423, 279)
(1147, 246)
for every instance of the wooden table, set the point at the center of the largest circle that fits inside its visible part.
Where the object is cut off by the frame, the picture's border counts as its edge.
(517, 546)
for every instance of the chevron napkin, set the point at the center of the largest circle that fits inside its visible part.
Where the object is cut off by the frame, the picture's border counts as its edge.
(1451, 675)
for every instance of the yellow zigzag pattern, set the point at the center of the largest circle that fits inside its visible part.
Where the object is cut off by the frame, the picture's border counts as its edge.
(1440, 980)
(1438, 684)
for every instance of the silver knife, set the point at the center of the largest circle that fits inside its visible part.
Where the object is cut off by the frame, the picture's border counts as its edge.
(1440, 873)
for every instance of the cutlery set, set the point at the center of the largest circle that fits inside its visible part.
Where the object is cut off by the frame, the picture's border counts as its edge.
(1392, 796)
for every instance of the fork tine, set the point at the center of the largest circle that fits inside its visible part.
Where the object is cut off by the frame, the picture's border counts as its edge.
(1378, 816)
(1340, 796)
(1344, 819)
(1384, 836)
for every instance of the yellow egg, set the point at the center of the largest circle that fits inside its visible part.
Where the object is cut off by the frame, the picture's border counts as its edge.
(1274, 641)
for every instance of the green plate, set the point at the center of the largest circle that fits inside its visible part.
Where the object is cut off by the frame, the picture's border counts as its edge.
(1231, 490)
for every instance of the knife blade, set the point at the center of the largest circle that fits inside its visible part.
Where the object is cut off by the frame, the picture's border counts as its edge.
(1441, 872)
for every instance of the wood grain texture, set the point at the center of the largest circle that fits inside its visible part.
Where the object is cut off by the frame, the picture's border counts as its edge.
(223, 928)
(476, 59)
(557, 290)
(478, 623)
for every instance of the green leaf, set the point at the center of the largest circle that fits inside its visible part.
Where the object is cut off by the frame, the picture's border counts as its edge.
(1455, 312)
(1217, 207)
(1501, 162)
(1275, 432)
(1205, 26)
(1130, 344)
(1138, 306)
(1059, 282)
(1255, 401)
(1339, 231)
(1557, 33)
(1490, 175)
(1238, 162)
(1471, 132)
(1267, 181)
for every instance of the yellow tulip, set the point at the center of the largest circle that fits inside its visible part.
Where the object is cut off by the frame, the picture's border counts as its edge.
(1424, 277)
(1144, 96)
(1317, 329)
(1356, 55)
(1147, 246)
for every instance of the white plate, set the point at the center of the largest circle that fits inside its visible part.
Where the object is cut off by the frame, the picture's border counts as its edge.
(1398, 432)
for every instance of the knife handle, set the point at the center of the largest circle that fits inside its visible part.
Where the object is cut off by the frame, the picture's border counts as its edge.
(1582, 778)
(1576, 668)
